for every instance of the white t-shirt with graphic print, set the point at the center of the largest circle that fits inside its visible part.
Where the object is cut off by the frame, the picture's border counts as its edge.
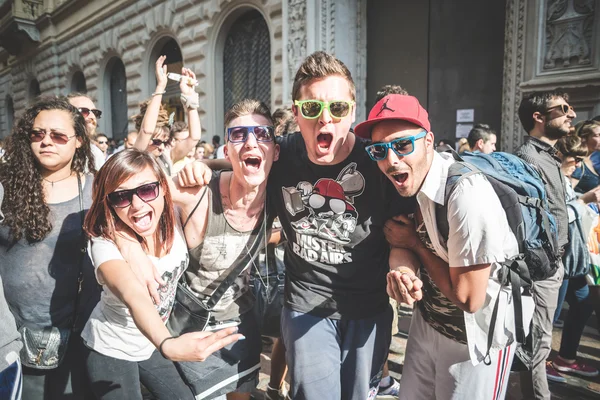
(110, 330)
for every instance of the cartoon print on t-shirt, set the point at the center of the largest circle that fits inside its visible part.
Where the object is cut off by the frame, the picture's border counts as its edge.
(327, 212)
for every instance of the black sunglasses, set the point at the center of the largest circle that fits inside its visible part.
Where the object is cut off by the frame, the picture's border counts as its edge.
(123, 198)
(86, 111)
(565, 108)
(158, 142)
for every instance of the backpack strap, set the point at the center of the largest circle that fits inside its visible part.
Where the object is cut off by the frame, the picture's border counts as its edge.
(457, 171)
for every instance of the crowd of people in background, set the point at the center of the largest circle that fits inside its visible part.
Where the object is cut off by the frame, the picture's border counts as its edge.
(161, 261)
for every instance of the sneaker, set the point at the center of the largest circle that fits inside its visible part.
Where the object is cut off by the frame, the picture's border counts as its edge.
(559, 324)
(389, 392)
(553, 375)
(580, 369)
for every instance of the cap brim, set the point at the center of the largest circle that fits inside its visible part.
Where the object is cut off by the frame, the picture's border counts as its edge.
(364, 128)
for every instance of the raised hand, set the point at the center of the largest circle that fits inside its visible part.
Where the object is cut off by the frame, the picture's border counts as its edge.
(187, 82)
(161, 74)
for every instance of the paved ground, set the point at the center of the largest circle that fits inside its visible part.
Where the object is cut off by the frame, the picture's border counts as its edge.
(575, 388)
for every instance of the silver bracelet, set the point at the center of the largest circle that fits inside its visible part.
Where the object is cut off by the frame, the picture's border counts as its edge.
(159, 93)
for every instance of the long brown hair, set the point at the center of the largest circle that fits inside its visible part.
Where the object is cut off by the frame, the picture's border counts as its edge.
(25, 208)
(101, 219)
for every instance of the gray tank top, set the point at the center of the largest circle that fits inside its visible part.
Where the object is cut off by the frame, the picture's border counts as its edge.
(211, 260)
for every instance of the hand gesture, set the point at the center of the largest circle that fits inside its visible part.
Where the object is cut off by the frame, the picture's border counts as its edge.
(187, 82)
(400, 232)
(404, 286)
(141, 266)
(161, 74)
(194, 174)
(592, 196)
(197, 346)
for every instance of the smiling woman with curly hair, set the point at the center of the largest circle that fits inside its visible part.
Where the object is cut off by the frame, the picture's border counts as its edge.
(46, 187)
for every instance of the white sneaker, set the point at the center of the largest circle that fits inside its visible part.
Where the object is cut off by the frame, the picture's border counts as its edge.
(389, 392)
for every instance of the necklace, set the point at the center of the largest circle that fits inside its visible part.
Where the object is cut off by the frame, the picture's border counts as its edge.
(59, 180)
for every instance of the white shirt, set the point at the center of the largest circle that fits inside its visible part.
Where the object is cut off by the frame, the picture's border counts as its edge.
(479, 234)
(98, 156)
(110, 329)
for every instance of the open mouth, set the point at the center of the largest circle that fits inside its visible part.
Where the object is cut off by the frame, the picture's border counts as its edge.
(324, 140)
(143, 221)
(252, 162)
(399, 177)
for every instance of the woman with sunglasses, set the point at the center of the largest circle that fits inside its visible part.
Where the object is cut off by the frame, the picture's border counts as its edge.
(160, 144)
(48, 283)
(586, 178)
(574, 290)
(132, 190)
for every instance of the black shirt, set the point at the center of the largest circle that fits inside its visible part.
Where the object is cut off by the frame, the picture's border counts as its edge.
(543, 157)
(336, 256)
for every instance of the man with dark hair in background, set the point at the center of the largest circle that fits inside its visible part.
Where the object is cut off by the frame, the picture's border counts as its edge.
(482, 138)
(546, 117)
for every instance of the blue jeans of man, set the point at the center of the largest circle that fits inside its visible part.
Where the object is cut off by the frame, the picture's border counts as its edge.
(577, 293)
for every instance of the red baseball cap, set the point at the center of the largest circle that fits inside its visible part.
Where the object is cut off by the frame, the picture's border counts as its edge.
(394, 106)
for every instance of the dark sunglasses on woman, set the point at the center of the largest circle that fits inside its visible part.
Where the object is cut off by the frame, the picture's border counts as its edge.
(123, 198)
(37, 135)
(86, 111)
(158, 142)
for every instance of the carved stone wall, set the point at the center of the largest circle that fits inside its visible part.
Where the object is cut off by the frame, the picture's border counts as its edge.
(569, 34)
(129, 33)
(511, 130)
(550, 44)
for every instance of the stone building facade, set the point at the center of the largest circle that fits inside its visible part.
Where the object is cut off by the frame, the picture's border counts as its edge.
(108, 48)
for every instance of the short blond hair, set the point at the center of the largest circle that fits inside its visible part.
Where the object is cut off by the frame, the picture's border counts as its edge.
(248, 107)
(321, 65)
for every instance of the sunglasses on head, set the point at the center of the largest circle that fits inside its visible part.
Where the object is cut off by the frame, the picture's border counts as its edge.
(158, 142)
(311, 109)
(564, 108)
(86, 111)
(402, 147)
(239, 134)
(123, 198)
(37, 135)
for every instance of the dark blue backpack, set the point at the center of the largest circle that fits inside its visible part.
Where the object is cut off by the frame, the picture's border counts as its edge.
(523, 196)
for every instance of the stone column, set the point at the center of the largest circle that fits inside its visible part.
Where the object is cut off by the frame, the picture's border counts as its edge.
(550, 44)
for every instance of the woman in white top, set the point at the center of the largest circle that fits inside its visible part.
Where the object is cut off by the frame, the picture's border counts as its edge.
(126, 328)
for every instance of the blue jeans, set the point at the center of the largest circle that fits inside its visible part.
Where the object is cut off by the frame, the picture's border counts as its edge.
(11, 382)
(577, 293)
(335, 359)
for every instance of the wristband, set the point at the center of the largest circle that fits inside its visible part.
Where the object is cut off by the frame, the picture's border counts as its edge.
(159, 93)
(160, 347)
(192, 102)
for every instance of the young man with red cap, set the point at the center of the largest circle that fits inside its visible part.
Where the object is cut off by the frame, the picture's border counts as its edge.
(447, 342)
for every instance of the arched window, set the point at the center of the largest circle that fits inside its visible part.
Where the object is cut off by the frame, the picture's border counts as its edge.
(34, 91)
(168, 46)
(117, 87)
(10, 115)
(78, 83)
(247, 60)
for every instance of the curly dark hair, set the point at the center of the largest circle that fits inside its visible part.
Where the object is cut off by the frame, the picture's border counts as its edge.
(27, 214)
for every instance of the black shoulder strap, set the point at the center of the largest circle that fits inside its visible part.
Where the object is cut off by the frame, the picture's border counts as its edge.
(195, 207)
(83, 252)
(456, 172)
(241, 262)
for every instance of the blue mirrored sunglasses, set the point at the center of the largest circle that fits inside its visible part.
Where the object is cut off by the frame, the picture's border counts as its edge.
(239, 134)
(402, 147)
